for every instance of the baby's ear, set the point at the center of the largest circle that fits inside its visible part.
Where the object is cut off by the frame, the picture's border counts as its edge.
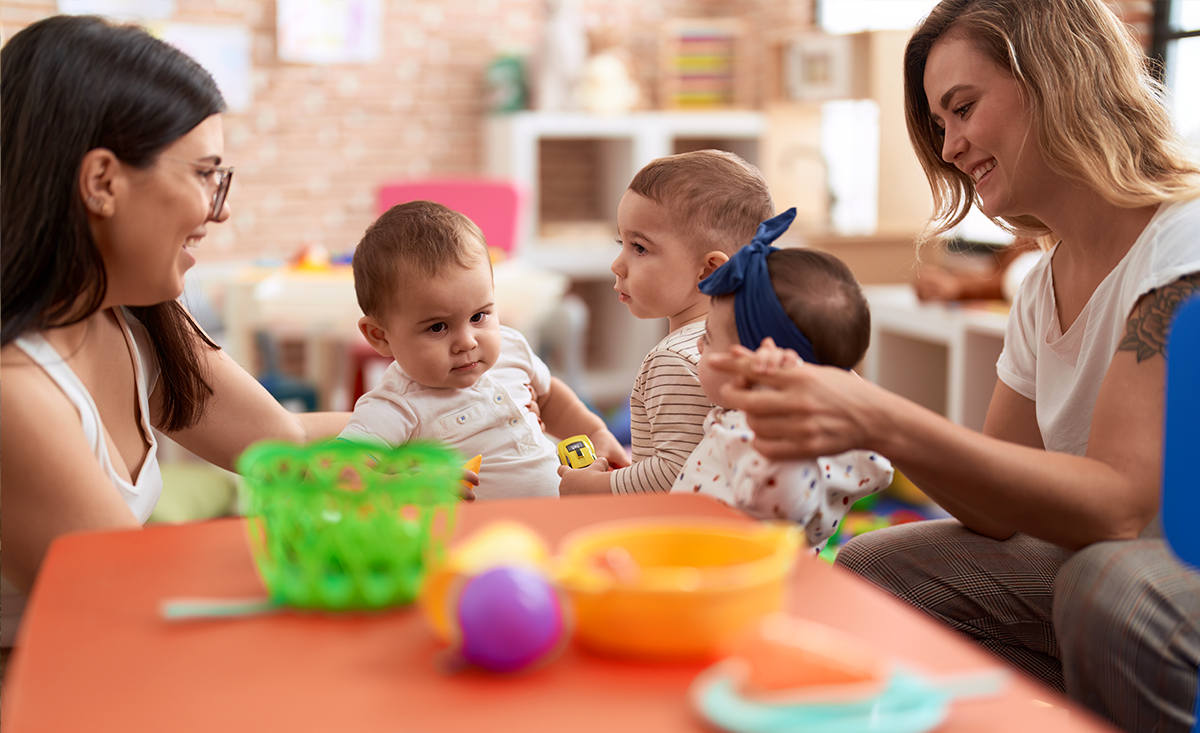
(712, 261)
(375, 335)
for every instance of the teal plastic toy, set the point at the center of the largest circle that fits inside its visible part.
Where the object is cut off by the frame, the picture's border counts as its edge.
(910, 703)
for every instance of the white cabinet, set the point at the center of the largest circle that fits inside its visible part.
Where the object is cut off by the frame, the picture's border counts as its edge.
(617, 147)
(573, 169)
(942, 356)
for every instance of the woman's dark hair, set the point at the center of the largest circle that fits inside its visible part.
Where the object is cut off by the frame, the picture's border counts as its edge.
(68, 85)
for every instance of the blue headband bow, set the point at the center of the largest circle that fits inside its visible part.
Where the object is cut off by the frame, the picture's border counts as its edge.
(756, 306)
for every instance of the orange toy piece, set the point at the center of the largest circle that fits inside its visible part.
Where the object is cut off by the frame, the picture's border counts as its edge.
(474, 464)
(785, 658)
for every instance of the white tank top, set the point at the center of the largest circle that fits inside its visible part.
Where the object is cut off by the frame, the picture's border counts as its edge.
(142, 495)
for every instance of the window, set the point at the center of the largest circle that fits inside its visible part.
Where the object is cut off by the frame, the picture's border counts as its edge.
(1176, 43)
(853, 16)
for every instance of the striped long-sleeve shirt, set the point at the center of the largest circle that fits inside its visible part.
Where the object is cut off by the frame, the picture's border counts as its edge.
(666, 414)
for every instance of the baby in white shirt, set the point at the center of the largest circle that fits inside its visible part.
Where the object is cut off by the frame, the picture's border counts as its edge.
(423, 277)
(793, 304)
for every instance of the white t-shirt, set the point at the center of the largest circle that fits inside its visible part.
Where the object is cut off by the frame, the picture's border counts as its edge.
(491, 419)
(1062, 372)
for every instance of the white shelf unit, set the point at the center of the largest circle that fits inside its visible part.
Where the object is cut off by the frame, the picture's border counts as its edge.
(623, 145)
(941, 356)
(628, 142)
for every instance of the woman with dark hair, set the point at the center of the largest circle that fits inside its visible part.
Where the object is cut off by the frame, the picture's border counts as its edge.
(1043, 114)
(110, 175)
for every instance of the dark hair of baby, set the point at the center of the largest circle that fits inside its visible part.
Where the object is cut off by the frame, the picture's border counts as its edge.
(415, 239)
(825, 301)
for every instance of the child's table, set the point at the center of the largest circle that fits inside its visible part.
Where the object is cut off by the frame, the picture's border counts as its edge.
(95, 655)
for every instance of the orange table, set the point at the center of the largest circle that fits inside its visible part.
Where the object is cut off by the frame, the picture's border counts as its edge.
(94, 654)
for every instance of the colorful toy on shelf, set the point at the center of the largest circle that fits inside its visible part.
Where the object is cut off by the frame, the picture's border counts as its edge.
(662, 589)
(312, 257)
(791, 674)
(337, 526)
(576, 452)
(498, 543)
(509, 618)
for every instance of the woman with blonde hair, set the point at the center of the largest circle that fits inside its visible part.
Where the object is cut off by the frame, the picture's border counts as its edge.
(1043, 114)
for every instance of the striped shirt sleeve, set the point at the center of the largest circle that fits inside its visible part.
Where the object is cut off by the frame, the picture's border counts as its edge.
(667, 410)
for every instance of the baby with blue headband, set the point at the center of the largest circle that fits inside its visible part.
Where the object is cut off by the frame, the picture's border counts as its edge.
(788, 304)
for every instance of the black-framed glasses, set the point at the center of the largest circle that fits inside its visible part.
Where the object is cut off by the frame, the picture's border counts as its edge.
(222, 176)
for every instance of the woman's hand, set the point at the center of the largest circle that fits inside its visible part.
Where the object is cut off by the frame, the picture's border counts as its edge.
(769, 358)
(801, 410)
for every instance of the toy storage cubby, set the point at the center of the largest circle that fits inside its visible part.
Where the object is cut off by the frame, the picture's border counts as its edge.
(573, 169)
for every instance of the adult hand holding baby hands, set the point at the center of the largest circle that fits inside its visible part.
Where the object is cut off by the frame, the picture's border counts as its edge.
(799, 410)
(769, 358)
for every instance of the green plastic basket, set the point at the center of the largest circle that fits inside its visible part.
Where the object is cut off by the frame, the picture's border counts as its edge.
(338, 526)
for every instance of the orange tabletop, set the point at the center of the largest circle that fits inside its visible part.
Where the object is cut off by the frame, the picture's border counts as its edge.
(94, 655)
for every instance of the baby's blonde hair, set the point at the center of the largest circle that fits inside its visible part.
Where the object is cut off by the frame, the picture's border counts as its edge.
(1098, 111)
(715, 198)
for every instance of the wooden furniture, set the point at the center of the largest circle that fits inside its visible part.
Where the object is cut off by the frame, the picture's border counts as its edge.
(95, 655)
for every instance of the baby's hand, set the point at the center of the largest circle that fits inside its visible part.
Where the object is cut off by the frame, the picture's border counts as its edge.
(466, 485)
(591, 479)
(769, 358)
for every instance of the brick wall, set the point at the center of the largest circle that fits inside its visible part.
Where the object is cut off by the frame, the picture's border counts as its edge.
(320, 139)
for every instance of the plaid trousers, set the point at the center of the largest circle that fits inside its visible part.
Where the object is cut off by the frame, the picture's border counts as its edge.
(1116, 625)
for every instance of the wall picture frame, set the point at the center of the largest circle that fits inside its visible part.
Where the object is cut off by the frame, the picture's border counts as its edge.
(818, 67)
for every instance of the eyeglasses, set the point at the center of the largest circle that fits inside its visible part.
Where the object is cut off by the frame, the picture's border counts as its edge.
(222, 175)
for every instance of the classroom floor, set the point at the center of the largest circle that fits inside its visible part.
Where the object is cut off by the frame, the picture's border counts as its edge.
(900, 503)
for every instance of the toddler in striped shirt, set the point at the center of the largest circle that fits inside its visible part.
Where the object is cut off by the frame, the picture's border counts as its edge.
(682, 217)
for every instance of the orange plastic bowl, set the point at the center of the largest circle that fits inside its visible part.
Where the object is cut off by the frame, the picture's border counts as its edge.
(673, 589)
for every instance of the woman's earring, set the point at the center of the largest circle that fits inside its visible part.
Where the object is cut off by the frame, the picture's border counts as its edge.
(102, 208)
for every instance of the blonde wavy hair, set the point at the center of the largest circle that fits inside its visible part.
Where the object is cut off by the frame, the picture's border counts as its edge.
(1099, 111)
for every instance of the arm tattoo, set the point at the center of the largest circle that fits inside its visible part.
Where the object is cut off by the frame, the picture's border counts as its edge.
(1148, 325)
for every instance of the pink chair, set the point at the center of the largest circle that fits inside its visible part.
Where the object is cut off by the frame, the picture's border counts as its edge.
(495, 205)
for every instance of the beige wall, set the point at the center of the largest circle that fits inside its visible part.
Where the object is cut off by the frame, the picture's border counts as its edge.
(320, 139)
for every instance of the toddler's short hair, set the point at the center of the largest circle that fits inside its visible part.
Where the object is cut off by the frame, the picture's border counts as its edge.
(715, 197)
(418, 238)
(825, 301)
